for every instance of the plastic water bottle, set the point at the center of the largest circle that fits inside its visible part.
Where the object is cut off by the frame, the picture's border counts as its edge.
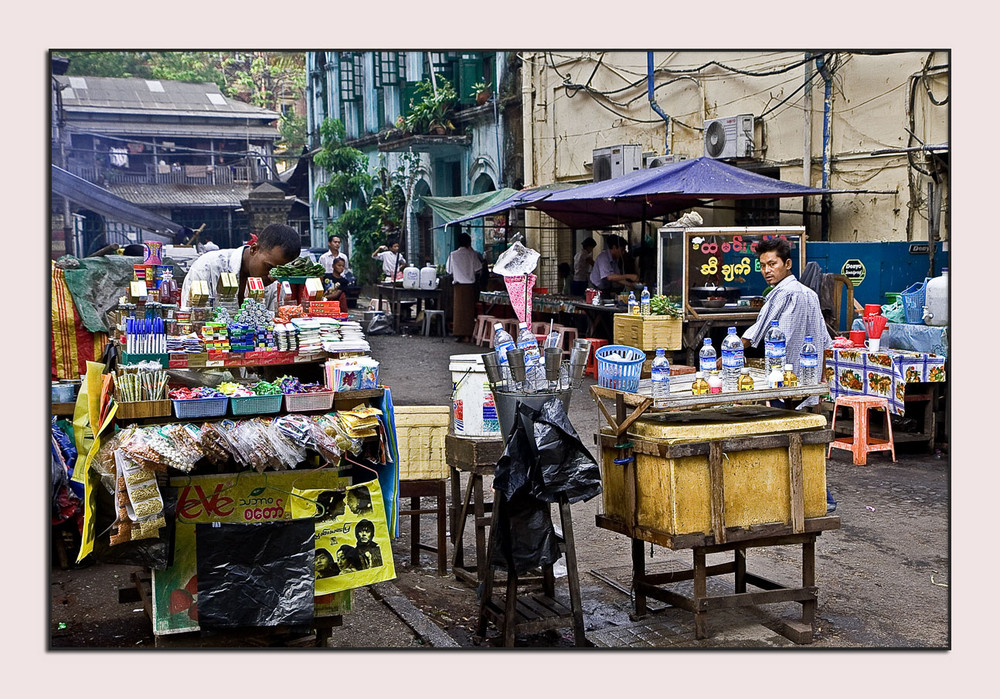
(774, 347)
(707, 357)
(661, 379)
(808, 363)
(732, 360)
(502, 341)
(644, 308)
(526, 340)
(632, 304)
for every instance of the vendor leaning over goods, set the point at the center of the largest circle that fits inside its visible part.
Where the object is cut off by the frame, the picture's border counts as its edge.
(606, 274)
(276, 245)
(797, 310)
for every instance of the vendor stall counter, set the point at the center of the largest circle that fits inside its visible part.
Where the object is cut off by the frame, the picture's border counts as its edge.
(711, 474)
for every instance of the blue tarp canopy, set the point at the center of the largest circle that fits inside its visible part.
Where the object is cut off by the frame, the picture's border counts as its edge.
(645, 194)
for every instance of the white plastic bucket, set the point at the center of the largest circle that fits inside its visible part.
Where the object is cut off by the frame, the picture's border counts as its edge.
(411, 277)
(473, 412)
(936, 300)
(428, 277)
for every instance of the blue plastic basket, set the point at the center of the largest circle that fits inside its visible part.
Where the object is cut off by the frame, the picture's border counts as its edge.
(256, 405)
(200, 407)
(913, 302)
(619, 374)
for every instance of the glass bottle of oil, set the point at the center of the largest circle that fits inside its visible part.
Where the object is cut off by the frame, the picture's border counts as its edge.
(745, 382)
(700, 385)
(790, 378)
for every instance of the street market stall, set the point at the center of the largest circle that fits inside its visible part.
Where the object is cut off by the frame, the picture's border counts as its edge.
(237, 452)
(707, 473)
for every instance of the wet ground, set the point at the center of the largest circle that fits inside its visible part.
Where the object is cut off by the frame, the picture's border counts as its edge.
(883, 577)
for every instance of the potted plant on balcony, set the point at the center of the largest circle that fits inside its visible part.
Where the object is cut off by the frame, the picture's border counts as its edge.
(481, 92)
(431, 114)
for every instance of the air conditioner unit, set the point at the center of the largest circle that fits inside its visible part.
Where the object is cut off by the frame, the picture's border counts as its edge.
(615, 161)
(729, 137)
(651, 160)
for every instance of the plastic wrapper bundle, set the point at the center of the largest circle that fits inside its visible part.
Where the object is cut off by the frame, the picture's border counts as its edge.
(309, 433)
(333, 429)
(176, 445)
(256, 574)
(544, 461)
(255, 448)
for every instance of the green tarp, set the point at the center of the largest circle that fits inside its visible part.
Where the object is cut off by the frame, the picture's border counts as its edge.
(97, 284)
(451, 208)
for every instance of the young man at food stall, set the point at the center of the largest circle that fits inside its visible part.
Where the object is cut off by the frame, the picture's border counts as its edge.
(463, 264)
(606, 274)
(276, 245)
(797, 310)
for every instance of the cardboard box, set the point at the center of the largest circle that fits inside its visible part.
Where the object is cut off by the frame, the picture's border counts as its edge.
(420, 433)
(255, 288)
(229, 285)
(314, 289)
(199, 292)
(648, 333)
(137, 292)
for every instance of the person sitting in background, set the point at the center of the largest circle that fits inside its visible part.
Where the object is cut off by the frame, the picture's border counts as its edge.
(565, 279)
(583, 262)
(277, 244)
(392, 262)
(336, 284)
(208, 245)
(607, 273)
(327, 258)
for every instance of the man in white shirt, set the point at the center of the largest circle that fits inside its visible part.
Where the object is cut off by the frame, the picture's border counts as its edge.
(392, 262)
(462, 265)
(327, 258)
(276, 245)
(208, 245)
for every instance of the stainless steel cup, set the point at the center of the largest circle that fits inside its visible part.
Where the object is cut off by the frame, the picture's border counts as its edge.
(578, 362)
(494, 373)
(515, 361)
(553, 360)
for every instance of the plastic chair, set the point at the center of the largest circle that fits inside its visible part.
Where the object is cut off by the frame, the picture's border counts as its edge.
(569, 335)
(482, 334)
(540, 327)
(595, 344)
(861, 443)
(429, 317)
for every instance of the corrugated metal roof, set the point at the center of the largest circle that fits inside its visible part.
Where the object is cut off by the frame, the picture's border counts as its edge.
(181, 194)
(160, 95)
(106, 203)
(190, 128)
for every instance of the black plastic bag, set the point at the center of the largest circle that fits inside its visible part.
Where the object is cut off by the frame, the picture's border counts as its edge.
(544, 460)
(256, 574)
(381, 325)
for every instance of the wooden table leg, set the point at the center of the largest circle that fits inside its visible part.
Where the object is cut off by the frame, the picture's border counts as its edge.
(809, 579)
(479, 516)
(740, 569)
(442, 537)
(459, 532)
(700, 592)
(458, 557)
(638, 575)
(572, 575)
(415, 532)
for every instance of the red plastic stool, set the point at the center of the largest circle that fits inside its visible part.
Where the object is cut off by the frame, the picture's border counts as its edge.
(860, 443)
(595, 344)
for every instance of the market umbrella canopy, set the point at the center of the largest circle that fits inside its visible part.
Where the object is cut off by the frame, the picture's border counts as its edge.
(644, 194)
(450, 208)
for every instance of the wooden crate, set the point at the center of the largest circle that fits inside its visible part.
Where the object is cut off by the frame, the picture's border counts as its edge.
(648, 333)
(420, 434)
(668, 490)
(143, 408)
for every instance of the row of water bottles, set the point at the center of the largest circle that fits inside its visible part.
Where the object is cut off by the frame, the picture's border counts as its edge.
(775, 352)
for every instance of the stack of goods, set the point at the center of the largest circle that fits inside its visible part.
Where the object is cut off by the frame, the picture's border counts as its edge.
(324, 309)
(345, 337)
(359, 423)
(356, 373)
(329, 329)
(241, 337)
(254, 312)
(140, 382)
(145, 336)
(308, 335)
(188, 343)
(286, 337)
(286, 313)
(183, 324)
(216, 336)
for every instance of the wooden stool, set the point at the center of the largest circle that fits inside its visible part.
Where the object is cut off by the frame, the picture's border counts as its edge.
(482, 334)
(536, 612)
(595, 344)
(426, 489)
(511, 326)
(861, 443)
(476, 456)
(540, 327)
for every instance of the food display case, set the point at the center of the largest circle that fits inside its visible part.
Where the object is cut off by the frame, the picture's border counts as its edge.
(715, 271)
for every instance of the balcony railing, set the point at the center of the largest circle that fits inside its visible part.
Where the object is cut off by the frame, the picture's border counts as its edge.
(184, 174)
